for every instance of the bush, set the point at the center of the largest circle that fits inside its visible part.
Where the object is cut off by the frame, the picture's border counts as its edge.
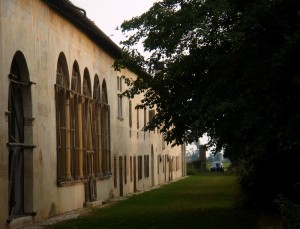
(290, 212)
(192, 168)
(191, 171)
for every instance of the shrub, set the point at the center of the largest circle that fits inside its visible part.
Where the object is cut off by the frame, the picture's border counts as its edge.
(290, 212)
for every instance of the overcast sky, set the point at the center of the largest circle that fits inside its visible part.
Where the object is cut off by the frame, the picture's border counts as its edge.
(109, 14)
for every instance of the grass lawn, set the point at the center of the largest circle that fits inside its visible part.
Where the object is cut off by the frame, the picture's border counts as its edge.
(199, 201)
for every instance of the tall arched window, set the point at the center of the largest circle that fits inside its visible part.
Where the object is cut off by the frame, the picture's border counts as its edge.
(105, 132)
(62, 120)
(20, 148)
(87, 124)
(76, 124)
(88, 144)
(97, 127)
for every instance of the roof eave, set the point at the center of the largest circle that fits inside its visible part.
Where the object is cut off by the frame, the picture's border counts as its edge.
(73, 14)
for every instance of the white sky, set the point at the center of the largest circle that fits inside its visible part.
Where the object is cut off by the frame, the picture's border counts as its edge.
(109, 14)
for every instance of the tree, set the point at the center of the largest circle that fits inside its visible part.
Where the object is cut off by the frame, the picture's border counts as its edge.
(228, 68)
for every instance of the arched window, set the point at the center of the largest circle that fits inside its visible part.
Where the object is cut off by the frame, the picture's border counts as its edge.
(76, 124)
(97, 127)
(105, 132)
(88, 140)
(87, 124)
(62, 98)
(20, 153)
(76, 81)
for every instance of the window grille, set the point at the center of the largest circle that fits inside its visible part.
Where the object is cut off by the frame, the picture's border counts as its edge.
(83, 130)
(63, 126)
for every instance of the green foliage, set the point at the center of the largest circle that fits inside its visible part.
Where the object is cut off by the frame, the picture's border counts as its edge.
(290, 212)
(231, 70)
(195, 167)
(191, 170)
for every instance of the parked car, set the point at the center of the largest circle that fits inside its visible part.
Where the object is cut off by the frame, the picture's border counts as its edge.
(217, 166)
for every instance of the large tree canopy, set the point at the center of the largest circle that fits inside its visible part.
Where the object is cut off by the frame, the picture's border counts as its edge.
(231, 69)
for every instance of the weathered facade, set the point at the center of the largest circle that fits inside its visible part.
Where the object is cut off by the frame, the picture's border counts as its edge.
(67, 138)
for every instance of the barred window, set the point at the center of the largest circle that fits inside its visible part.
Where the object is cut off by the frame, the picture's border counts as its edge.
(97, 127)
(87, 126)
(62, 100)
(83, 126)
(105, 132)
(76, 124)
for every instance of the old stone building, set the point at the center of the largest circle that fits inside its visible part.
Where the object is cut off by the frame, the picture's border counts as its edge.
(67, 138)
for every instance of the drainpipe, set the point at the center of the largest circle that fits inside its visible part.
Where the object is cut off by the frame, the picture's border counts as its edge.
(80, 9)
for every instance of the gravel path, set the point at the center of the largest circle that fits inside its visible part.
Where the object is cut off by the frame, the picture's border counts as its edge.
(58, 218)
(78, 212)
(69, 215)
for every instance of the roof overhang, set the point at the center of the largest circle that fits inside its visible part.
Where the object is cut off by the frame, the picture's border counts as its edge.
(77, 17)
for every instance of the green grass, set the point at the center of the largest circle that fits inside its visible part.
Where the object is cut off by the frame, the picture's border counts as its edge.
(200, 201)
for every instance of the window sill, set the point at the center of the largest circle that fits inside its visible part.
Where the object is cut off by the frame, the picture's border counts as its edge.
(62, 184)
(120, 118)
